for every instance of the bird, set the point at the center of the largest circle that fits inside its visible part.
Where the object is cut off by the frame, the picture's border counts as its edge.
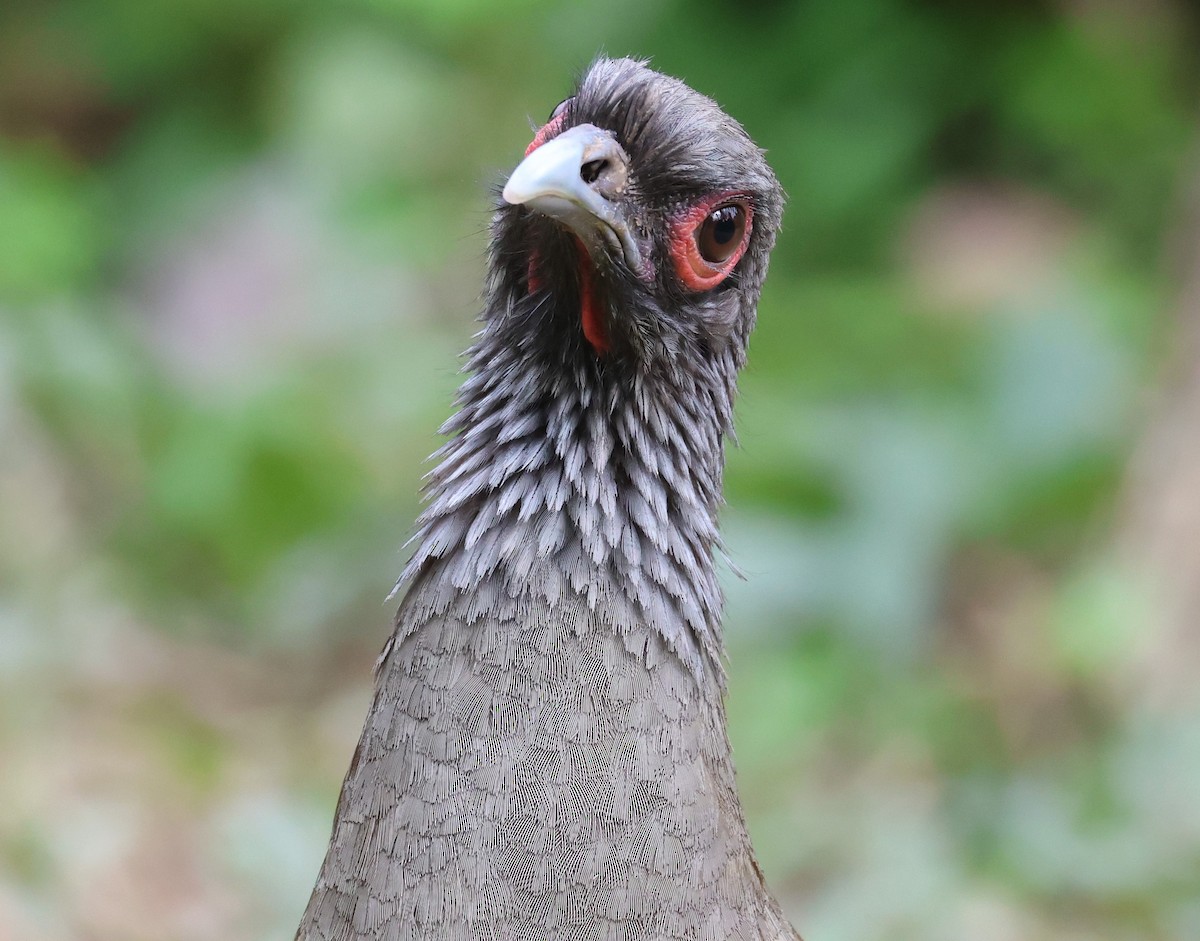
(546, 754)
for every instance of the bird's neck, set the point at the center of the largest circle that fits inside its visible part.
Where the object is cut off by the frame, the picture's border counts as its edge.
(584, 479)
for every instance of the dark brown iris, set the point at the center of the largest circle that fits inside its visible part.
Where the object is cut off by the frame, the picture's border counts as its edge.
(721, 233)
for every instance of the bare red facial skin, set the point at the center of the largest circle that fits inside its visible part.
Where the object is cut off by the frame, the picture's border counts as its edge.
(590, 312)
(693, 270)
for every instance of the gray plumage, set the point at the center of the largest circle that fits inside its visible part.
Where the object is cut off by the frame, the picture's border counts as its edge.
(546, 754)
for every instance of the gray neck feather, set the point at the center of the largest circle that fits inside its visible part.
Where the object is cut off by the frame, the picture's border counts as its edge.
(580, 475)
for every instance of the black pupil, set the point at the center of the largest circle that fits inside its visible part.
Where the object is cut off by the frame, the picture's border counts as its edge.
(724, 225)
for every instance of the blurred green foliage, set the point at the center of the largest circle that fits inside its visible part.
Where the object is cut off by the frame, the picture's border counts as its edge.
(240, 245)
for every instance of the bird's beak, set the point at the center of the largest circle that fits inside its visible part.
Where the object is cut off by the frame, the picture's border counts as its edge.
(576, 178)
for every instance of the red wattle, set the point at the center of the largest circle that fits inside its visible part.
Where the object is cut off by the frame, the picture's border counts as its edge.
(533, 280)
(590, 314)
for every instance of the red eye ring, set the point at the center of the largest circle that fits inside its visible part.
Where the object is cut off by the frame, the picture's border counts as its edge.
(690, 241)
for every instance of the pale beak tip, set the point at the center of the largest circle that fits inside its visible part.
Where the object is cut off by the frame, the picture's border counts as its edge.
(512, 194)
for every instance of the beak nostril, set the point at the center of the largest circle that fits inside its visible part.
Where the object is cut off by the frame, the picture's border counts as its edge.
(591, 171)
(580, 178)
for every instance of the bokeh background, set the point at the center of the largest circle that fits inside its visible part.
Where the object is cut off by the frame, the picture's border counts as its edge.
(241, 246)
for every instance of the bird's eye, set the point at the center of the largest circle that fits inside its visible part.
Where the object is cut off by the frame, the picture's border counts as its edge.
(560, 108)
(709, 240)
(721, 233)
(552, 126)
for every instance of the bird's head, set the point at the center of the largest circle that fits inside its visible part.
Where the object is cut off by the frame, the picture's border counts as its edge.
(638, 227)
